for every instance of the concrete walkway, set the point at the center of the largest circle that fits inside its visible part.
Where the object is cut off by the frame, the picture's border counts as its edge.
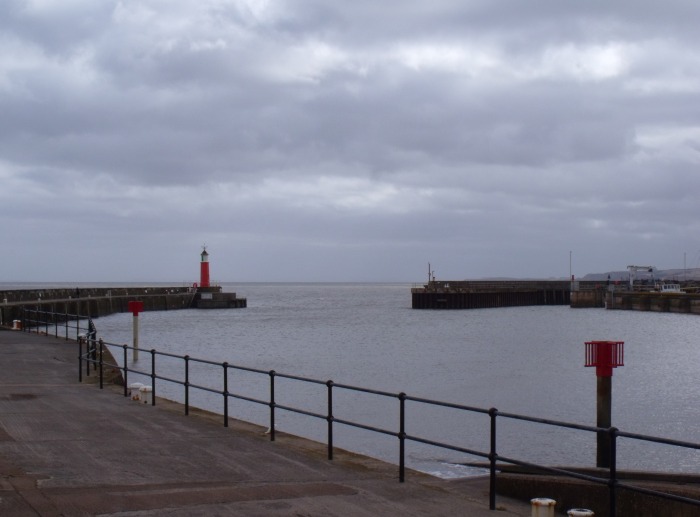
(72, 449)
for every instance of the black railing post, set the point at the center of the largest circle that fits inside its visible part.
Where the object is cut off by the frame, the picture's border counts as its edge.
(88, 355)
(153, 377)
(493, 457)
(402, 437)
(126, 375)
(225, 365)
(92, 335)
(272, 405)
(187, 384)
(329, 419)
(80, 360)
(612, 482)
(101, 362)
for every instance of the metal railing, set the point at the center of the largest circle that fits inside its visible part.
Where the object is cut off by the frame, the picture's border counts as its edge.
(92, 353)
(36, 320)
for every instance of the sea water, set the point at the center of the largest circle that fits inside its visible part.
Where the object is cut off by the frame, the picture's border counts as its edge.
(524, 360)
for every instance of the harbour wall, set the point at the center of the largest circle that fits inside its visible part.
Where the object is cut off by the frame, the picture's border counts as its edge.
(213, 298)
(93, 302)
(684, 303)
(588, 299)
(490, 294)
(580, 294)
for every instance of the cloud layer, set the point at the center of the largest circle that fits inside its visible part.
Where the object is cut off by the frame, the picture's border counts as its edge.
(309, 140)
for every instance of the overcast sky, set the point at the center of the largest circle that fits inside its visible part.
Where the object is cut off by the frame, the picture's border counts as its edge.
(324, 140)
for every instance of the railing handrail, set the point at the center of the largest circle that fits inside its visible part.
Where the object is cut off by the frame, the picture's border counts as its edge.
(40, 318)
(94, 356)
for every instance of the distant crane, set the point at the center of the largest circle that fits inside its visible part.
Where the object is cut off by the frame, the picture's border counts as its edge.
(633, 270)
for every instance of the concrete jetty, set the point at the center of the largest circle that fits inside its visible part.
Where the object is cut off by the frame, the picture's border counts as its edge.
(94, 302)
(482, 294)
(71, 449)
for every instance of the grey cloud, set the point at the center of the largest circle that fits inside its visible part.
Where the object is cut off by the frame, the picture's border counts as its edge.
(352, 137)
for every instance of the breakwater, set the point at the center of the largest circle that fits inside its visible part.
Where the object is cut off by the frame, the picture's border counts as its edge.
(684, 303)
(483, 294)
(478, 294)
(94, 302)
(590, 297)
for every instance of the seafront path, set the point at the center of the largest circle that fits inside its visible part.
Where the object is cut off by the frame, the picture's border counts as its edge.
(71, 449)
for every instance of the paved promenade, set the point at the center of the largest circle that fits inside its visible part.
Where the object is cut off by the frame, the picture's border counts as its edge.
(71, 449)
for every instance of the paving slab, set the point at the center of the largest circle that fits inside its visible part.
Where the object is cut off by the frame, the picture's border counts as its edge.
(72, 449)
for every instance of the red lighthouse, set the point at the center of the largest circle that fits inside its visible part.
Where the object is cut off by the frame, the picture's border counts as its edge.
(213, 297)
(204, 269)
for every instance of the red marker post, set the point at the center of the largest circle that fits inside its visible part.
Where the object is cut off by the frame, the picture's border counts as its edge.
(604, 355)
(135, 307)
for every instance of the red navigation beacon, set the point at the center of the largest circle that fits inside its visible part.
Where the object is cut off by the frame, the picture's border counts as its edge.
(135, 307)
(605, 355)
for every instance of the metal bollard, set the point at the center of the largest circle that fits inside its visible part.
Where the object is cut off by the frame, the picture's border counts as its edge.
(135, 390)
(542, 507)
(580, 512)
(146, 393)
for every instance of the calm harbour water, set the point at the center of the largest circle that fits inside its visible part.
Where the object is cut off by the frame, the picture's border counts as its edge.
(526, 360)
